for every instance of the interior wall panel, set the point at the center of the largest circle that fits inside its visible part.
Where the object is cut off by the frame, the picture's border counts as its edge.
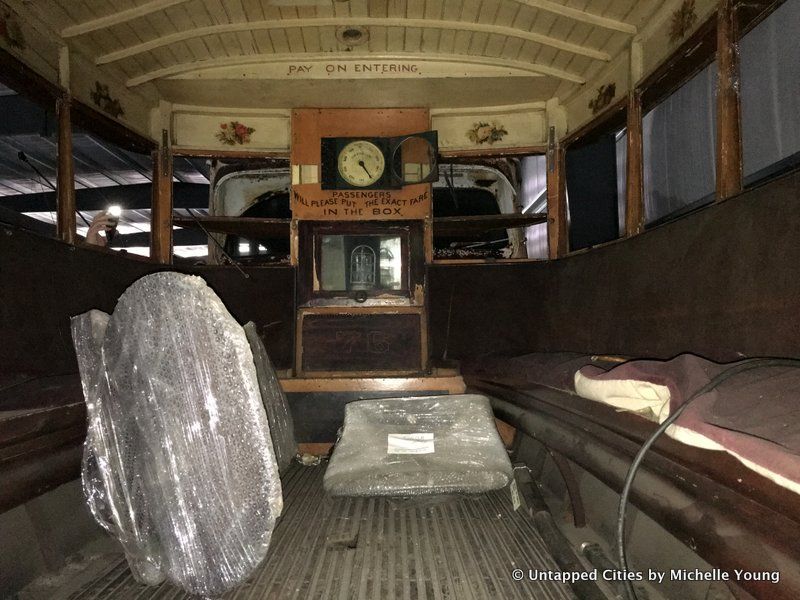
(722, 283)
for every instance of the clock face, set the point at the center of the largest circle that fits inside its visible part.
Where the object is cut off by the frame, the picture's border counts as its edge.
(361, 163)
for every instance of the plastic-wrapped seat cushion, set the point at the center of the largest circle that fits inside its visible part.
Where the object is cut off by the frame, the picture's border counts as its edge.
(418, 446)
(184, 472)
(281, 425)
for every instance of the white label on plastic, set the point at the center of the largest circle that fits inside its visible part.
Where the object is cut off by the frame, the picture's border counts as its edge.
(515, 501)
(410, 443)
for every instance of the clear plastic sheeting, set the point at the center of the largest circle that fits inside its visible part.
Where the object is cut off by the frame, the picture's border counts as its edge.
(88, 332)
(179, 464)
(280, 419)
(434, 445)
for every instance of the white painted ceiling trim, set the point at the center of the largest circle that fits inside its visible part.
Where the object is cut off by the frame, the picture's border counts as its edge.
(532, 69)
(117, 18)
(580, 15)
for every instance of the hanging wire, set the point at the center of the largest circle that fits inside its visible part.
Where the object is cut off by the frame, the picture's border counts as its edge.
(221, 249)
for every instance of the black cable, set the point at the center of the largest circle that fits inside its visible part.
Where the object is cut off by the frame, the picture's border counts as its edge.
(24, 158)
(637, 461)
(451, 188)
(219, 246)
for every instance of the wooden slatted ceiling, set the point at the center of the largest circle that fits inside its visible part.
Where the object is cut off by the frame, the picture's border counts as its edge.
(154, 39)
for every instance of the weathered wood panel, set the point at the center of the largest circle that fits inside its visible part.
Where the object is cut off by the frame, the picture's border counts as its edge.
(361, 342)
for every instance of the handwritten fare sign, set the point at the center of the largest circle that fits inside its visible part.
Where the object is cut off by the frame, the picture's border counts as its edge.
(413, 202)
(354, 69)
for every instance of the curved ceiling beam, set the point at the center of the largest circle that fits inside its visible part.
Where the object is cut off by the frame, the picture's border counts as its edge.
(122, 16)
(340, 21)
(253, 59)
(580, 15)
(157, 5)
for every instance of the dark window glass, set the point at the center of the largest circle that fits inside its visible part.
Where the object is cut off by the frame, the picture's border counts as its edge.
(591, 171)
(770, 73)
(679, 139)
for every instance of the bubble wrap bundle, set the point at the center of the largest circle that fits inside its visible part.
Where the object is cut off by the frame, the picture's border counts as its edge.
(178, 464)
(280, 419)
(432, 445)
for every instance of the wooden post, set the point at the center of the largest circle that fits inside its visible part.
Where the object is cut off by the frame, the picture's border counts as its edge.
(65, 183)
(556, 200)
(634, 181)
(161, 209)
(729, 139)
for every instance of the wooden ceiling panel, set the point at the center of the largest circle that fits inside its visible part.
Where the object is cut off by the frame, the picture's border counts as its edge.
(618, 9)
(479, 43)
(159, 24)
(311, 39)
(447, 42)
(295, 37)
(434, 9)
(451, 11)
(430, 40)
(279, 41)
(494, 45)
(378, 8)
(415, 9)
(377, 40)
(507, 13)
(236, 14)
(150, 40)
(413, 41)
(396, 40)
(462, 42)
(469, 11)
(546, 55)
(253, 10)
(488, 11)
(358, 8)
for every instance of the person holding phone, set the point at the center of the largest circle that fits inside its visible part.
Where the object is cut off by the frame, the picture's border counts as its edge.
(105, 221)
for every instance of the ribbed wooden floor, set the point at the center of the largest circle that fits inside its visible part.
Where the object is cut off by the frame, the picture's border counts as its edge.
(324, 548)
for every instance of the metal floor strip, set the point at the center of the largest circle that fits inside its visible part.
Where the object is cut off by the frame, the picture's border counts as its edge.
(375, 549)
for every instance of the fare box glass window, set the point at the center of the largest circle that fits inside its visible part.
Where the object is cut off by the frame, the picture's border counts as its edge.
(361, 262)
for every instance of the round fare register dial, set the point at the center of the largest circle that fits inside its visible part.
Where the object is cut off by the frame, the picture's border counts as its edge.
(361, 163)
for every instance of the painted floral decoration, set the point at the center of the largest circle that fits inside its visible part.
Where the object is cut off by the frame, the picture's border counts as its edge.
(683, 19)
(234, 133)
(483, 132)
(10, 29)
(103, 100)
(605, 94)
